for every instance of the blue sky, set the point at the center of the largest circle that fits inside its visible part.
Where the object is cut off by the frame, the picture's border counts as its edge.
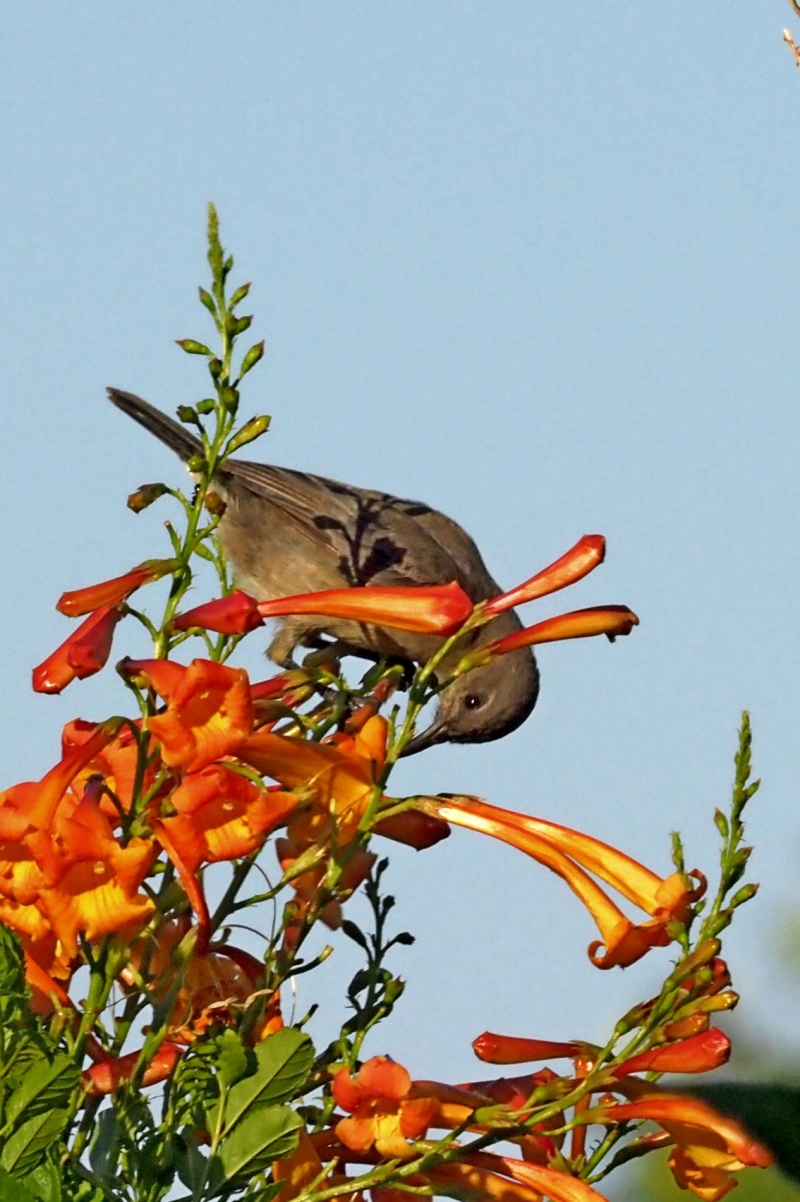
(535, 263)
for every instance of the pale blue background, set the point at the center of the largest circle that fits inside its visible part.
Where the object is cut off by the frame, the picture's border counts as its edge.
(533, 262)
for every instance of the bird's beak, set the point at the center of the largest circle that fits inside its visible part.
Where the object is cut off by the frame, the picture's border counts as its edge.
(435, 733)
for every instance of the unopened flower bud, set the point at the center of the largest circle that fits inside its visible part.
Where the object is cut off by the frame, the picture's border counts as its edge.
(215, 504)
(145, 495)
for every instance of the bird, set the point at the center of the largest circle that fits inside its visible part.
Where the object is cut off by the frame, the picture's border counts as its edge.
(288, 532)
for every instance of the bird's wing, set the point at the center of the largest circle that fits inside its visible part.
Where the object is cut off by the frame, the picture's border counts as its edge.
(373, 537)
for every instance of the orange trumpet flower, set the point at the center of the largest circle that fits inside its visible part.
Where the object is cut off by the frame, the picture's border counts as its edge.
(709, 1146)
(587, 554)
(83, 654)
(110, 592)
(433, 609)
(573, 856)
(209, 710)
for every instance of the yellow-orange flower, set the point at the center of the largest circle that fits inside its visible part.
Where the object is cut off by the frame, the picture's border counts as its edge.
(709, 1147)
(382, 1115)
(209, 710)
(573, 855)
(220, 815)
(337, 777)
(91, 884)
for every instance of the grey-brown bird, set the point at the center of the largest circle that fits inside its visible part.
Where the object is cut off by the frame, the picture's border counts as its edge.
(288, 532)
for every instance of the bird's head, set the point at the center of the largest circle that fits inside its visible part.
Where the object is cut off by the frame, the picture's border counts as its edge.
(484, 704)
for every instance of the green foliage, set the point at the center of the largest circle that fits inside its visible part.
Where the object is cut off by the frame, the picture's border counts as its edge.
(37, 1080)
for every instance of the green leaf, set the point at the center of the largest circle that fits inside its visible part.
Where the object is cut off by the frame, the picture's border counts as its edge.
(770, 1112)
(283, 1062)
(233, 1060)
(45, 1086)
(266, 1133)
(192, 347)
(12, 1190)
(105, 1146)
(22, 1150)
(45, 1183)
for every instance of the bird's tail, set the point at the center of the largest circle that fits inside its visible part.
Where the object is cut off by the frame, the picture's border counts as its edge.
(175, 436)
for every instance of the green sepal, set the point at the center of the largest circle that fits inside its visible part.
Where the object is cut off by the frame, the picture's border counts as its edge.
(251, 358)
(249, 432)
(192, 347)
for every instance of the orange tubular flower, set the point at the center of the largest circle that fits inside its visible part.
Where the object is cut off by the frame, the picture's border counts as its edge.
(510, 1049)
(383, 1115)
(209, 710)
(505, 1179)
(83, 654)
(578, 562)
(83, 600)
(610, 620)
(412, 828)
(116, 763)
(709, 1146)
(91, 883)
(106, 1077)
(235, 614)
(698, 1054)
(221, 816)
(338, 776)
(569, 853)
(433, 609)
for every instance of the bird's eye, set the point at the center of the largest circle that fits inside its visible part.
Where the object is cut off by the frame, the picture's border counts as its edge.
(473, 701)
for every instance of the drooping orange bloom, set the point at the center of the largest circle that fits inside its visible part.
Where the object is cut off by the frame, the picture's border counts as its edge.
(209, 710)
(83, 654)
(709, 1146)
(587, 554)
(570, 854)
(431, 609)
(216, 982)
(61, 871)
(110, 592)
(382, 1115)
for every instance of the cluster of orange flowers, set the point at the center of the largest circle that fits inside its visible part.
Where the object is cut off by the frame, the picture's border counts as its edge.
(206, 777)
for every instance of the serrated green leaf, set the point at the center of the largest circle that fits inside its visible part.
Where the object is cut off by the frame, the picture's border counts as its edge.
(22, 1151)
(264, 1134)
(283, 1061)
(45, 1086)
(12, 1190)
